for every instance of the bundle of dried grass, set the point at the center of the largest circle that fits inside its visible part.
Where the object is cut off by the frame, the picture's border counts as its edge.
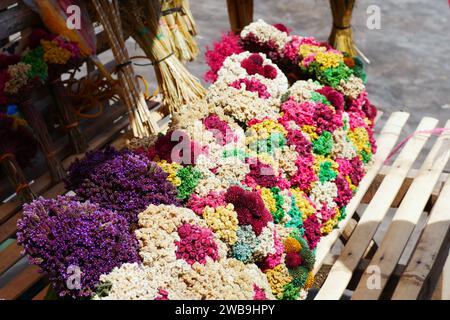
(37, 123)
(341, 36)
(187, 16)
(68, 116)
(240, 14)
(182, 40)
(141, 120)
(178, 87)
(16, 177)
(17, 147)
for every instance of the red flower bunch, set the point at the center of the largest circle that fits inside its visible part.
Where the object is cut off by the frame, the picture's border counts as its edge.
(312, 231)
(172, 147)
(254, 65)
(334, 97)
(250, 208)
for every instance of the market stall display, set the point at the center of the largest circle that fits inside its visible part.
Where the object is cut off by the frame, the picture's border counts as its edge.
(256, 173)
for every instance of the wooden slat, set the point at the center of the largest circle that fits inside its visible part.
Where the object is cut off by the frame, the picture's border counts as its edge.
(445, 277)
(433, 244)
(20, 283)
(9, 256)
(16, 19)
(386, 141)
(405, 219)
(42, 294)
(406, 183)
(341, 272)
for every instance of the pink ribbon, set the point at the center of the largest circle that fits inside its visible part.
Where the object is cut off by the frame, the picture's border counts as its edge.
(436, 131)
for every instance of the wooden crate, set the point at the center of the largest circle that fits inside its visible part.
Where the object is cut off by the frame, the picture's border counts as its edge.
(365, 269)
(25, 281)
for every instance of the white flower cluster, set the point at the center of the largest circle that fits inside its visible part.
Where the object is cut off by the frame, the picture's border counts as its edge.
(266, 33)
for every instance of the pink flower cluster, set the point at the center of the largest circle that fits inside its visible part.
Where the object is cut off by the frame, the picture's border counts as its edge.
(215, 56)
(196, 243)
(212, 199)
(252, 85)
(221, 129)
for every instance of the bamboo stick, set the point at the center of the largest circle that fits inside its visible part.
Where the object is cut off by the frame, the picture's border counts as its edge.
(341, 36)
(240, 14)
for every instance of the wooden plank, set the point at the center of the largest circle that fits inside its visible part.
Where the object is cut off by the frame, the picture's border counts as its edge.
(42, 294)
(9, 256)
(406, 183)
(386, 141)
(15, 19)
(445, 294)
(405, 219)
(434, 243)
(21, 283)
(341, 273)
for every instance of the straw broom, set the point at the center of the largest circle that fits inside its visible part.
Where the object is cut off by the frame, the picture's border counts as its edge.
(177, 85)
(181, 49)
(141, 120)
(186, 48)
(240, 14)
(186, 15)
(341, 36)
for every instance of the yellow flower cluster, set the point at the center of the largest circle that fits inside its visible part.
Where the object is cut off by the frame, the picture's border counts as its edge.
(301, 201)
(171, 169)
(54, 54)
(268, 199)
(350, 184)
(263, 130)
(329, 60)
(310, 131)
(278, 277)
(309, 281)
(360, 139)
(291, 245)
(305, 50)
(328, 226)
(223, 221)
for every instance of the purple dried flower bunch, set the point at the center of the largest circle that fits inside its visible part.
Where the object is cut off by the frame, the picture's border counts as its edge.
(75, 242)
(121, 181)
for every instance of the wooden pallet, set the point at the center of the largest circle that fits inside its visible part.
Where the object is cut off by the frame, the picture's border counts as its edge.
(365, 269)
